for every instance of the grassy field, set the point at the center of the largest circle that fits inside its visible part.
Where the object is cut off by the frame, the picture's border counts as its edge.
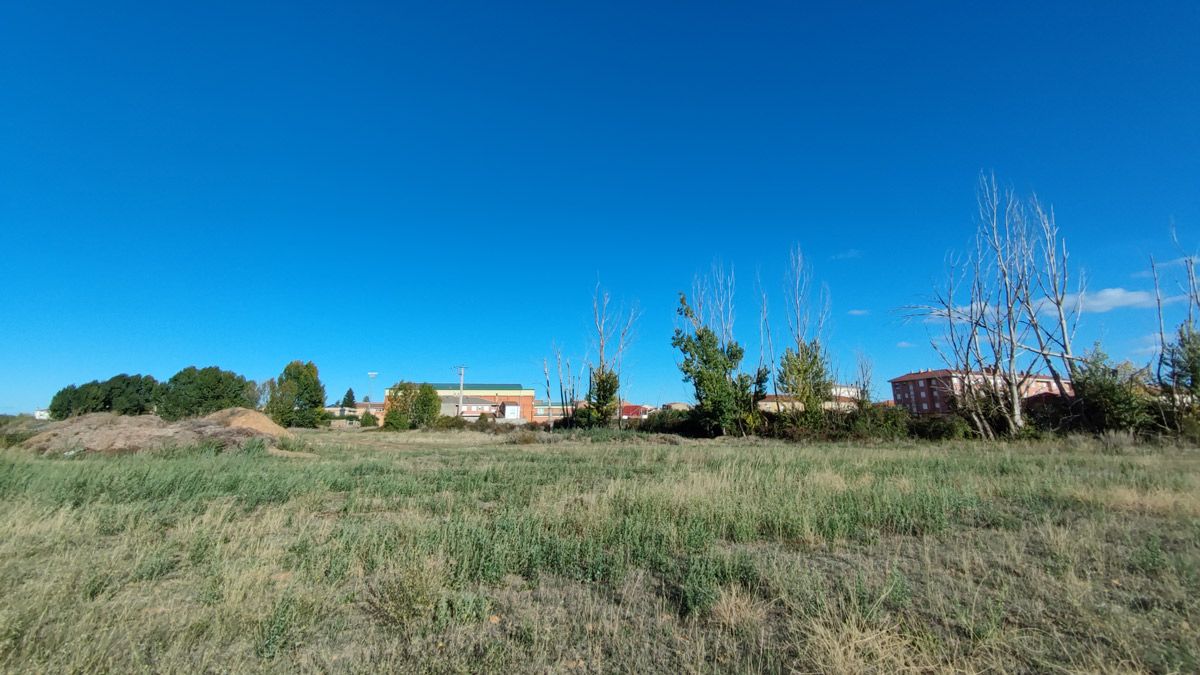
(467, 553)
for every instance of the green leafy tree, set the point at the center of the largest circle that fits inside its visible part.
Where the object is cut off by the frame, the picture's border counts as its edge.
(426, 407)
(398, 408)
(726, 399)
(131, 394)
(1182, 361)
(1109, 397)
(803, 375)
(199, 391)
(75, 400)
(122, 394)
(369, 420)
(63, 404)
(348, 401)
(297, 397)
(602, 402)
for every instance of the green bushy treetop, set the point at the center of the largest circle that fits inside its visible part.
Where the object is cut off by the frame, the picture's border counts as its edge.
(399, 406)
(1110, 397)
(122, 394)
(199, 391)
(803, 375)
(602, 404)
(426, 407)
(1182, 361)
(297, 398)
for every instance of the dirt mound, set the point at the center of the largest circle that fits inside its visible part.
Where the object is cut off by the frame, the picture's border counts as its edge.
(244, 418)
(109, 433)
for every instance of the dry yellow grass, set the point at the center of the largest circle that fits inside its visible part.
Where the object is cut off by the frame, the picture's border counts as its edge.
(578, 557)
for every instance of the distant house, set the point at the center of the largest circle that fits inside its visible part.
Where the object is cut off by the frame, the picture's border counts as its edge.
(493, 393)
(510, 411)
(472, 407)
(635, 412)
(549, 412)
(359, 409)
(842, 398)
(41, 414)
(930, 392)
(677, 405)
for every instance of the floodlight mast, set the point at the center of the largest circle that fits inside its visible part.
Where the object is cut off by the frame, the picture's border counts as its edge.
(461, 371)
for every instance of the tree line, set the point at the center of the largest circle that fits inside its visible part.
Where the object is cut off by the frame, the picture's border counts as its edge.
(1007, 313)
(296, 398)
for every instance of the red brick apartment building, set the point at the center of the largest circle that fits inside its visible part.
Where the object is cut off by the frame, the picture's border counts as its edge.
(928, 392)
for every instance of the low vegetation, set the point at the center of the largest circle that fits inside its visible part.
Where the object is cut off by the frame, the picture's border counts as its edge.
(536, 552)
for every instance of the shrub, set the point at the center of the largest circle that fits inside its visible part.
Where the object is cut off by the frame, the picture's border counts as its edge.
(450, 423)
(1110, 397)
(940, 428)
(670, 422)
(369, 420)
(396, 419)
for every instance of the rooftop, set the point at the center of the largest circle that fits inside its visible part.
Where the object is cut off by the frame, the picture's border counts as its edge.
(476, 386)
(467, 400)
(942, 373)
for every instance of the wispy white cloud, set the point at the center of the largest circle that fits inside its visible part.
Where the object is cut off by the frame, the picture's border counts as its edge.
(859, 312)
(1146, 345)
(1108, 299)
(848, 254)
(905, 345)
(1165, 266)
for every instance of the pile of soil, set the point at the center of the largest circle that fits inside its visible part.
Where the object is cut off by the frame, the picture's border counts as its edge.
(244, 418)
(109, 433)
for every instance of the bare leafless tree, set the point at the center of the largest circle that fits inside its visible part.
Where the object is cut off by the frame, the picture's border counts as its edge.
(1008, 310)
(863, 381)
(567, 383)
(806, 321)
(613, 334)
(766, 342)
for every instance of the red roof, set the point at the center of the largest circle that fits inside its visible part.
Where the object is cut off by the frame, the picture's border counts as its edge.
(944, 373)
(633, 410)
(940, 373)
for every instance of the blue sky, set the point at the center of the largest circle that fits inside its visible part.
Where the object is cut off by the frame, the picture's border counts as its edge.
(402, 187)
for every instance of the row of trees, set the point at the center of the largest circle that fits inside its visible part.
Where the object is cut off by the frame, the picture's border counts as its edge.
(295, 399)
(190, 392)
(1008, 312)
(727, 395)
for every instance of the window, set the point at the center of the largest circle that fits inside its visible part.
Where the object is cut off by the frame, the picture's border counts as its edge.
(922, 394)
(921, 384)
(924, 406)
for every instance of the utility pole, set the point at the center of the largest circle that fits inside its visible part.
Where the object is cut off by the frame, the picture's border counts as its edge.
(461, 374)
(370, 388)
